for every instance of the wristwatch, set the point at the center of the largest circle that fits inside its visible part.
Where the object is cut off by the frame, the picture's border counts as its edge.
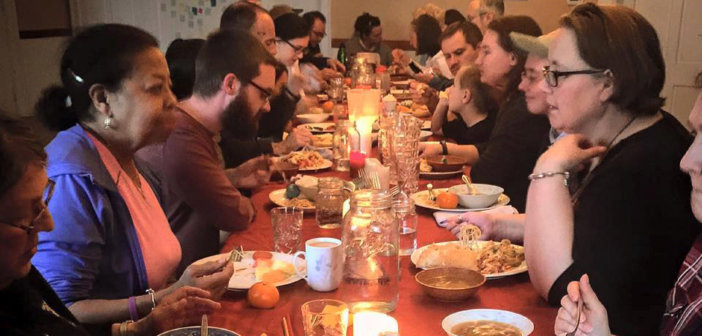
(444, 148)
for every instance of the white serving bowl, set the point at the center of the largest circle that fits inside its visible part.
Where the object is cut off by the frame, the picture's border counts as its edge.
(308, 118)
(522, 323)
(485, 195)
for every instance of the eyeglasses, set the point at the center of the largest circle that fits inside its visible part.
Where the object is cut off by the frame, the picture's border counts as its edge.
(48, 192)
(320, 35)
(298, 49)
(265, 93)
(530, 77)
(551, 76)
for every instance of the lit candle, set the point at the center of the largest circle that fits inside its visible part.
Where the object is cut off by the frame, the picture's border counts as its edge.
(374, 324)
(357, 161)
(364, 125)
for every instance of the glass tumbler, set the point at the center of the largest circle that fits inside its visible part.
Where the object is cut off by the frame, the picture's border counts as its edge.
(287, 229)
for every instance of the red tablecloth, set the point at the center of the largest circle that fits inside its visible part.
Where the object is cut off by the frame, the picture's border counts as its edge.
(416, 313)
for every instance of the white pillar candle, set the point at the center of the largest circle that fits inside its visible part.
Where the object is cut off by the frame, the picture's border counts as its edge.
(374, 324)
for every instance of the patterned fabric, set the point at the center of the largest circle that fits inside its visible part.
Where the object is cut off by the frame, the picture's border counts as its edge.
(683, 314)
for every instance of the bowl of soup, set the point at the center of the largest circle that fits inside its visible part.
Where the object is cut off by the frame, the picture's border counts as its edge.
(487, 322)
(445, 163)
(479, 196)
(450, 283)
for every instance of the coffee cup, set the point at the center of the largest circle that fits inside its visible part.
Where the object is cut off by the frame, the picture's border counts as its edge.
(324, 258)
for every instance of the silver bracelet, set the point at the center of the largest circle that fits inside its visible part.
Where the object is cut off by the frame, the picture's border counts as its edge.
(539, 176)
(153, 298)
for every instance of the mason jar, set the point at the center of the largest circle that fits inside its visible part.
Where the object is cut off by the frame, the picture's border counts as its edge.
(329, 202)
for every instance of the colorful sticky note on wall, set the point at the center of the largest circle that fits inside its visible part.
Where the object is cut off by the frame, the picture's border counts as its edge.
(194, 10)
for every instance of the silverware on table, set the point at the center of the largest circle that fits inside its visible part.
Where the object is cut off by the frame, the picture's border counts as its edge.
(577, 318)
(466, 180)
(203, 325)
(430, 188)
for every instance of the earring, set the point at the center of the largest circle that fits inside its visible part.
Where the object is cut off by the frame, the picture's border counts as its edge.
(107, 123)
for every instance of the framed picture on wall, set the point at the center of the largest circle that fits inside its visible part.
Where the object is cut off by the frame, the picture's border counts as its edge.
(43, 18)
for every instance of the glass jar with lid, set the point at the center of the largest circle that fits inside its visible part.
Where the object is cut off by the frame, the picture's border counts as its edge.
(371, 262)
(329, 202)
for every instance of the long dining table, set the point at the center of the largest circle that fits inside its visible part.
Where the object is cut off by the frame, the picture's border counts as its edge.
(416, 313)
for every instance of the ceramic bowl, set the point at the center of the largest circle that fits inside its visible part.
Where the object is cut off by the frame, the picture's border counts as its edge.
(445, 163)
(450, 283)
(195, 331)
(481, 196)
(308, 118)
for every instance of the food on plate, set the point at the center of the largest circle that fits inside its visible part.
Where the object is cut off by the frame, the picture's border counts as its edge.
(299, 202)
(306, 159)
(322, 140)
(417, 110)
(263, 295)
(424, 167)
(485, 328)
(262, 255)
(318, 128)
(448, 255)
(315, 110)
(447, 200)
(499, 257)
(292, 191)
(328, 106)
(491, 258)
(272, 270)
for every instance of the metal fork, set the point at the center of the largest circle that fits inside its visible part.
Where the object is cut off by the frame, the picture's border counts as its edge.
(577, 319)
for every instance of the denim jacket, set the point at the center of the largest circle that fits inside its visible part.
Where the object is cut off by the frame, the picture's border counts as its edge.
(93, 251)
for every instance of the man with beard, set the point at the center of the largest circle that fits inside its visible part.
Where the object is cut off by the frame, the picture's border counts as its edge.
(234, 77)
(238, 146)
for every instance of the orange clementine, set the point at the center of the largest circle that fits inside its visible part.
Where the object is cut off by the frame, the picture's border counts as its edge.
(447, 200)
(262, 255)
(263, 295)
(328, 106)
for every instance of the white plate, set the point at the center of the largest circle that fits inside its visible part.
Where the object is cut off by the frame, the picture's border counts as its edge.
(244, 279)
(424, 135)
(319, 127)
(278, 198)
(421, 198)
(519, 321)
(517, 270)
(426, 125)
(326, 164)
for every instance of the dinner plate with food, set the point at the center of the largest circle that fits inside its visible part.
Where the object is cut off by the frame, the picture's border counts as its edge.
(308, 160)
(324, 140)
(283, 197)
(417, 110)
(453, 200)
(487, 322)
(251, 267)
(426, 171)
(323, 127)
(491, 258)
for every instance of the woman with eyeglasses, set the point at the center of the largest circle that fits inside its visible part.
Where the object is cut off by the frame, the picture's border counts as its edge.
(28, 305)
(112, 254)
(609, 200)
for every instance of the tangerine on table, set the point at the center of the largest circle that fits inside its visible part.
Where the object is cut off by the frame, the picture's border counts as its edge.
(447, 200)
(263, 295)
(328, 106)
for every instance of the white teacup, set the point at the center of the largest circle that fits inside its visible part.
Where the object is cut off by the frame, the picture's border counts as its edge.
(324, 257)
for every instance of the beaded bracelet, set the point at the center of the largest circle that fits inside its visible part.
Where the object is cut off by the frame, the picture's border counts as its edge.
(539, 176)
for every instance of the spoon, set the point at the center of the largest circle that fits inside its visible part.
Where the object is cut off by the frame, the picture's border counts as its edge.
(466, 180)
(430, 187)
(577, 318)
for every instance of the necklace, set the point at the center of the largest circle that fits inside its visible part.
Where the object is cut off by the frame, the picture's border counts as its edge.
(590, 174)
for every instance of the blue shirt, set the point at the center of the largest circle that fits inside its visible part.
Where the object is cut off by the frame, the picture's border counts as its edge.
(93, 251)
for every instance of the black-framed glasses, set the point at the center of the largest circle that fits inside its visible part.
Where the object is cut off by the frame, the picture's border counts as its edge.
(551, 76)
(48, 193)
(265, 93)
(298, 49)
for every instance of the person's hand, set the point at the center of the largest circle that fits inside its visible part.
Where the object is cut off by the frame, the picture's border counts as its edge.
(424, 77)
(423, 94)
(250, 174)
(593, 319)
(400, 58)
(334, 64)
(327, 74)
(485, 221)
(299, 137)
(568, 153)
(184, 307)
(296, 82)
(429, 148)
(211, 276)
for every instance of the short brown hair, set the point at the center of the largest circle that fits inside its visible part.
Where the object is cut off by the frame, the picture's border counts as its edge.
(508, 24)
(468, 77)
(618, 39)
(228, 51)
(470, 31)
